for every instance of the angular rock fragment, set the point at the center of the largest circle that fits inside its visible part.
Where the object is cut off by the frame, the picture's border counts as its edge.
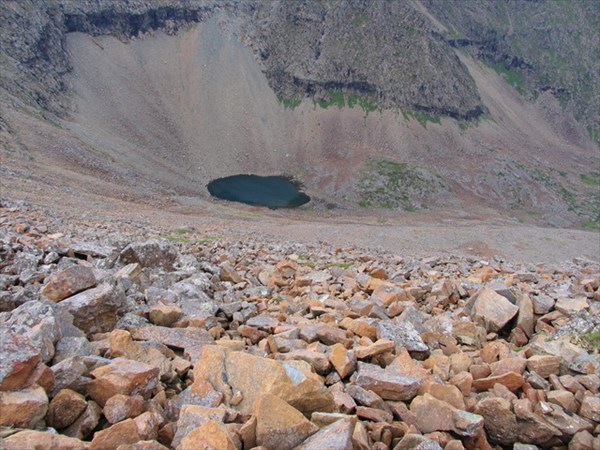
(120, 407)
(503, 427)
(292, 381)
(24, 408)
(152, 254)
(164, 315)
(121, 344)
(68, 281)
(491, 310)
(402, 334)
(435, 415)
(182, 338)
(124, 432)
(85, 423)
(208, 435)
(337, 435)
(192, 416)
(511, 380)
(544, 365)
(65, 408)
(19, 359)
(278, 425)
(122, 376)
(96, 310)
(343, 361)
(30, 439)
(387, 383)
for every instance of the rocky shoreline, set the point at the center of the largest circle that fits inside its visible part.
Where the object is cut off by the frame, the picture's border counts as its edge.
(113, 339)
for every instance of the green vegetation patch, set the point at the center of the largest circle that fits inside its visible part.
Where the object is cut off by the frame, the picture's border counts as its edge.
(590, 225)
(179, 238)
(590, 341)
(183, 231)
(397, 185)
(290, 103)
(422, 117)
(514, 77)
(207, 239)
(592, 179)
(339, 99)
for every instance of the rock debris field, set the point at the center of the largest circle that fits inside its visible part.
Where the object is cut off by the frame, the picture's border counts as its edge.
(114, 339)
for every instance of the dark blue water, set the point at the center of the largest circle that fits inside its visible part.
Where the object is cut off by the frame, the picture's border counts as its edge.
(274, 191)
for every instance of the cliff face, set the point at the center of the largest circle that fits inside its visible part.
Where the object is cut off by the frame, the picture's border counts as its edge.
(386, 53)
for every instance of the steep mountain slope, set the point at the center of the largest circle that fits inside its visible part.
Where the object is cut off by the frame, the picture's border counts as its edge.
(539, 46)
(369, 104)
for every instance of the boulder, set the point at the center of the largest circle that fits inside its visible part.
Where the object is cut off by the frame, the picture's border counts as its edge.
(436, 415)
(121, 344)
(337, 435)
(491, 310)
(70, 346)
(24, 408)
(192, 416)
(151, 254)
(122, 376)
(85, 423)
(292, 381)
(569, 306)
(124, 432)
(65, 408)
(279, 425)
(19, 359)
(164, 315)
(68, 281)
(96, 310)
(447, 393)
(403, 334)
(590, 408)
(30, 439)
(511, 380)
(387, 383)
(208, 435)
(503, 427)
(120, 407)
(525, 318)
(200, 393)
(343, 361)
(41, 322)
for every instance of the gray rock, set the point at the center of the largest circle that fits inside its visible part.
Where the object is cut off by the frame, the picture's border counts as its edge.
(152, 254)
(71, 346)
(39, 322)
(403, 334)
(96, 310)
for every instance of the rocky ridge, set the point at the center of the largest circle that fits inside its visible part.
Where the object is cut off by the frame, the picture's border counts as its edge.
(112, 338)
